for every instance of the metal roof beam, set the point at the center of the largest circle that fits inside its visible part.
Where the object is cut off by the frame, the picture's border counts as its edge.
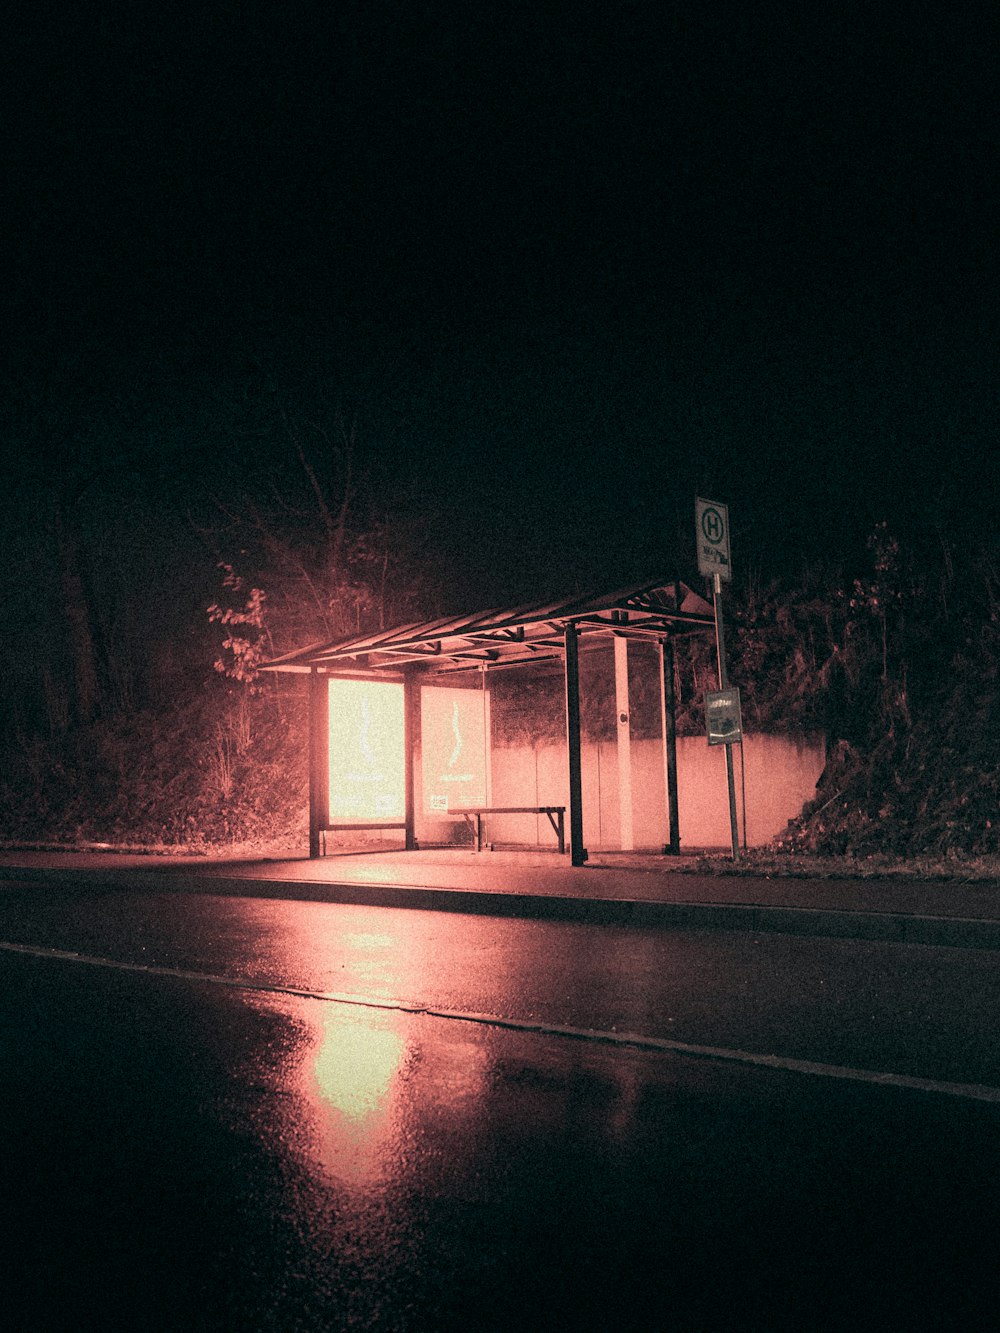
(498, 636)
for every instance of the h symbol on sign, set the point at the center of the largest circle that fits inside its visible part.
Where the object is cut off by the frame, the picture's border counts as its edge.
(711, 526)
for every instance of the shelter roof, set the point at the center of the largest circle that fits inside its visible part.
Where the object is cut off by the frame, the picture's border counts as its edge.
(505, 637)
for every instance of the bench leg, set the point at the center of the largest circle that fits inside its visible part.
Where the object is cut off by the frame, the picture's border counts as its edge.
(555, 818)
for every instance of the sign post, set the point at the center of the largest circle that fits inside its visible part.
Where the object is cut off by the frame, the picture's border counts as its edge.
(714, 561)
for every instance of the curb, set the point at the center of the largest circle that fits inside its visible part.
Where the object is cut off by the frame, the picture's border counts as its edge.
(833, 923)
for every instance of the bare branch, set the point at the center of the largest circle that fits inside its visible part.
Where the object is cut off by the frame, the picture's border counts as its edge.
(324, 508)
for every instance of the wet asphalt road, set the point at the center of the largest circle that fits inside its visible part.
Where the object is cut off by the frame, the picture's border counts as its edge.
(185, 1154)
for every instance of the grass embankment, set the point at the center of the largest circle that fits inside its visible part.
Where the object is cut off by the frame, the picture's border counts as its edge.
(771, 862)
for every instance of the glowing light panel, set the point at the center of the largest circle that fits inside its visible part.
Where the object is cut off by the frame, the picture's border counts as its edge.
(454, 725)
(367, 753)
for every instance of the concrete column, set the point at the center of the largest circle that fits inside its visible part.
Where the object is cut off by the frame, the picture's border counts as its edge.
(624, 733)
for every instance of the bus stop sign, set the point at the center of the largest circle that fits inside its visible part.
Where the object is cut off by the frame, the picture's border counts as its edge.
(712, 531)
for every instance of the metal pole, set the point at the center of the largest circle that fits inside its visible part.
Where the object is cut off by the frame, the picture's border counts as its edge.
(319, 800)
(720, 643)
(578, 853)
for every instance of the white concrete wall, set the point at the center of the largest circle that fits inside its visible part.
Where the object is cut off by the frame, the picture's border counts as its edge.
(781, 775)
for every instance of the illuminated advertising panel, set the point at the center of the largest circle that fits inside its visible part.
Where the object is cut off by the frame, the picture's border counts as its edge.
(367, 751)
(454, 725)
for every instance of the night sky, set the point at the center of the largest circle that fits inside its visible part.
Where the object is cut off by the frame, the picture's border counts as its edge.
(569, 264)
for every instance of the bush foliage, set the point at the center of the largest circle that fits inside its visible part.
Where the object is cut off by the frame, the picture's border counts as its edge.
(216, 767)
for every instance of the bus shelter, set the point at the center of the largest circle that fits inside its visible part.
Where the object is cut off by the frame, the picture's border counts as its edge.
(500, 719)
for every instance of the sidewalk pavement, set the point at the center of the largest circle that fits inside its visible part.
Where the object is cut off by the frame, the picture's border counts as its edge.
(640, 891)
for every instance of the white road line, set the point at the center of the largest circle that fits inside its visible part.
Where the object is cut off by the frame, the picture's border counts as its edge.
(971, 1091)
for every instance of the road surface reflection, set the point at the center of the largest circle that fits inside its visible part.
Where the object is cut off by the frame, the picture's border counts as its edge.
(352, 1090)
(368, 1091)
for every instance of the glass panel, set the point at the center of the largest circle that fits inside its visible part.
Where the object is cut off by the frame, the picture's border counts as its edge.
(649, 800)
(598, 735)
(454, 728)
(528, 750)
(367, 760)
(624, 804)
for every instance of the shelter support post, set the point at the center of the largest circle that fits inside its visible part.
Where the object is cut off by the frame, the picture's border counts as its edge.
(319, 731)
(668, 704)
(624, 745)
(578, 853)
(411, 726)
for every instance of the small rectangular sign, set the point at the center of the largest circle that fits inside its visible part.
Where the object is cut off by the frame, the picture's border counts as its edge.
(723, 719)
(712, 533)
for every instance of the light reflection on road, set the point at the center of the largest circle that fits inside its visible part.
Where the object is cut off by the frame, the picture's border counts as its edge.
(375, 962)
(379, 1095)
(353, 1088)
(372, 1085)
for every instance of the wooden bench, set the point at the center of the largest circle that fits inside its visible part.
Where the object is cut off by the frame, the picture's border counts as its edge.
(556, 816)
